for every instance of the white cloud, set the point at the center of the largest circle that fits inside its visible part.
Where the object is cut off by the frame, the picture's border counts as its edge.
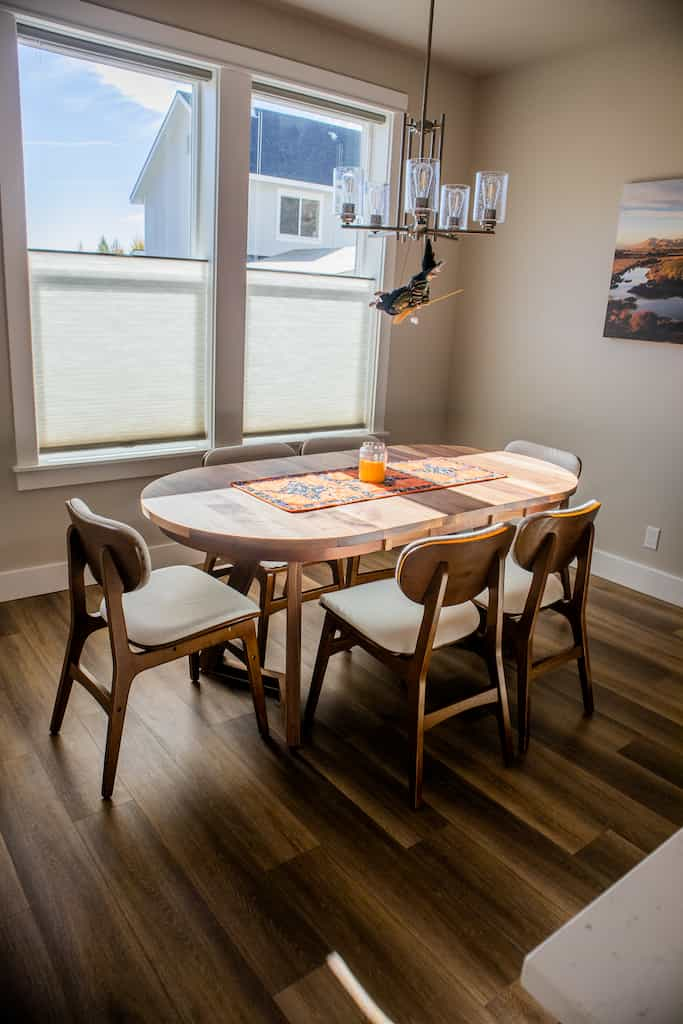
(146, 90)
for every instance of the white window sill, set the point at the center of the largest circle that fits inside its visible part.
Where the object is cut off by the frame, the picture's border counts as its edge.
(84, 466)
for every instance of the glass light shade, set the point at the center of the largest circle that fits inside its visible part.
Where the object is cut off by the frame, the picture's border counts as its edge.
(376, 203)
(490, 197)
(422, 186)
(455, 207)
(348, 192)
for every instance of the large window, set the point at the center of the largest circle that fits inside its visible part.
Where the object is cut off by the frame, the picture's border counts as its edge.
(311, 337)
(119, 291)
(175, 274)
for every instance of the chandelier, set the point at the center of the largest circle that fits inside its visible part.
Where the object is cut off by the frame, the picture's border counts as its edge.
(423, 210)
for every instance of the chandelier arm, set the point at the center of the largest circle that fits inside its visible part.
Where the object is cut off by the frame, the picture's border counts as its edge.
(425, 86)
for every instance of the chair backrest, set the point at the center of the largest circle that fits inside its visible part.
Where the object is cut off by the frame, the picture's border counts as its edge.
(568, 527)
(247, 453)
(319, 445)
(567, 460)
(470, 557)
(128, 548)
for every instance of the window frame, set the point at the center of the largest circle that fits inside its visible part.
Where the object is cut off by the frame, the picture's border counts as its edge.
(237, 71)
(300, 195)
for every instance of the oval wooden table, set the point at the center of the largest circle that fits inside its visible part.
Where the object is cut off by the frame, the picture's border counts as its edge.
(200, 509)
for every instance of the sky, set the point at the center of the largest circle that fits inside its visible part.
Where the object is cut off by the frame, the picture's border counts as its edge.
(651, 209)
(87, 130)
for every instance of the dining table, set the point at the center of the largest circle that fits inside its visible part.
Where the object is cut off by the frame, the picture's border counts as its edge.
(201, 509)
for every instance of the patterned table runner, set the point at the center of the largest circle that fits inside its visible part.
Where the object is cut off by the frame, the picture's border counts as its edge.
(309, 492)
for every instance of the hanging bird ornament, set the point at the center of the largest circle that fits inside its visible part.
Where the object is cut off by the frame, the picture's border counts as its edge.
(403, 302)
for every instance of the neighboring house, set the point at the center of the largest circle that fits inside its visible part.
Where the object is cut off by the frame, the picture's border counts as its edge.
(165, 181)
(291, 203)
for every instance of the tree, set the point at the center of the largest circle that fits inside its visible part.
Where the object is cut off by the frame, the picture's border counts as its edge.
(103, 245)
(116, 249)
(137, 245)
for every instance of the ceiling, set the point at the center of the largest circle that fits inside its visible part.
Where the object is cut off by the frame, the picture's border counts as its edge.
(483, 36)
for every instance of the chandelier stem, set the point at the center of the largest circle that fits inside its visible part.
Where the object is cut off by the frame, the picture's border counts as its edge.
(425, 86)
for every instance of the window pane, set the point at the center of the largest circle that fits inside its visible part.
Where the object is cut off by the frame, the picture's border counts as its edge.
(310, 342)
(310, 209)
(289, 216)
(118, 296)
(119, 348)
(308, 351)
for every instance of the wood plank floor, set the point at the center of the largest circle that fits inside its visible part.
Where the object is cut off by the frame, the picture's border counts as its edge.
(224, 872)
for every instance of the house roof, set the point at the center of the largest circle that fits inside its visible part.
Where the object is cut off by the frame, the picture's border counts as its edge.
(181, 99)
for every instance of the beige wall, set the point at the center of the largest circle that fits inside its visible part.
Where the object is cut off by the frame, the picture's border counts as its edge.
(33, 523)
(529, 359)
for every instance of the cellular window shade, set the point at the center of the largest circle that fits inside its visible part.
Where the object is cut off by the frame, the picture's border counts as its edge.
(119, 348)
(307, 351)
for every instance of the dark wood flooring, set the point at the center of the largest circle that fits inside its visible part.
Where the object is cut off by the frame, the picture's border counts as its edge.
(223, 873)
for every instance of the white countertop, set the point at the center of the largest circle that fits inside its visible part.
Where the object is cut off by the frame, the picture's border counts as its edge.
(621, 959)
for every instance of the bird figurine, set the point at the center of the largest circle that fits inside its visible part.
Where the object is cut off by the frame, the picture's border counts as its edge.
(403, 302)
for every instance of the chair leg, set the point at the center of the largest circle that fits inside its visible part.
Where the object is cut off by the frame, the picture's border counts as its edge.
(352, 570)
(194, 667)
(566, 583)
(267, 592)
(74, 649)
(119, 702)
(338, 573)
(416, 711)
(322, 658)
(580, 632)
(256, 680)
(523, 697)
(497, 676)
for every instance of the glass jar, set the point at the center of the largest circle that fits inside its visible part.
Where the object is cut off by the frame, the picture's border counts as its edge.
(372, 462)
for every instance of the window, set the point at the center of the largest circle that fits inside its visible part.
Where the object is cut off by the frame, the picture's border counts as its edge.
(311, 344)
(299, 217)
(119, 287)
(137, 328)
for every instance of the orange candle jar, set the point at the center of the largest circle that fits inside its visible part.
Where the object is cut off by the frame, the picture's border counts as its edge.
(372, 462)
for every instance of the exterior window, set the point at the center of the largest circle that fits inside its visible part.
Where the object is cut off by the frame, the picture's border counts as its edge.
(311, 338)
(299, 217)
(119, 288)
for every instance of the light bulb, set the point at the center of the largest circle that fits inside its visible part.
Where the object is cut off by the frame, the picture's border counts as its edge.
(422, 187)
(422, 181)
(377, 203)
(454, 208)
(347, 192)
(490, 198)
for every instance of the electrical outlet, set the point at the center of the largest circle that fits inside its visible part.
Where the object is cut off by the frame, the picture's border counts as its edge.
(652, 534)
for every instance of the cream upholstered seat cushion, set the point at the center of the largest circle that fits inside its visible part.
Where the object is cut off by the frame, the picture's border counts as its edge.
(178, 602)
(517, 583)
(382, 612)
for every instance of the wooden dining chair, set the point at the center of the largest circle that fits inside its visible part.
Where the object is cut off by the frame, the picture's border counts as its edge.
(267, 573)
(559, 457)
(546, 543)
(153, 617)
(426, 606)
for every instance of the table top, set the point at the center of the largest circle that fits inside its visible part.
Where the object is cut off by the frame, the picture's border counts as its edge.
(200, 509)
(620, 959)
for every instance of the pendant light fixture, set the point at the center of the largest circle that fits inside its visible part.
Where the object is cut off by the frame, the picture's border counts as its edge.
(424, 207)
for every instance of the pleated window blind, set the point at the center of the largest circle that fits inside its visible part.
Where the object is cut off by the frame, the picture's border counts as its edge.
(119, 348)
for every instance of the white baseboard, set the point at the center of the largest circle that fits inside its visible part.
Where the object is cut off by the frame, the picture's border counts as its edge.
(52, 576)
(636, 576)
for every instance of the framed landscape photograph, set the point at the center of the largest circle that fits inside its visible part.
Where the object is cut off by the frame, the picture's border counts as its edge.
(645, 301)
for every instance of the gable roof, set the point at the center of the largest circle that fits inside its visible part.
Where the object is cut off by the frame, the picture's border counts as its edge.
(182, 100)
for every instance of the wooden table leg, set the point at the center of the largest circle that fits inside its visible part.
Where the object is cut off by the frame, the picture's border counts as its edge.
(292, 688)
